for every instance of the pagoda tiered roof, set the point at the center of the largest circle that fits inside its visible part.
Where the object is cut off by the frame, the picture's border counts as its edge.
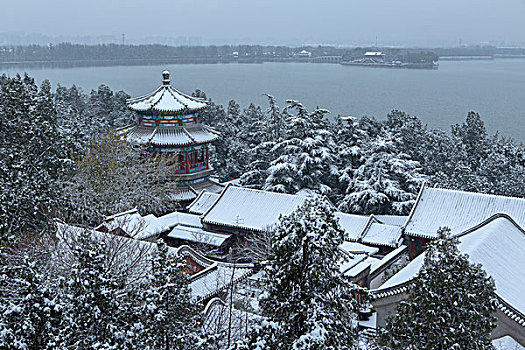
(171, 135)
(166, 100)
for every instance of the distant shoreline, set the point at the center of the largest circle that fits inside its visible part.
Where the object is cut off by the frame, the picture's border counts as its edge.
(76, 55)
(183, 61)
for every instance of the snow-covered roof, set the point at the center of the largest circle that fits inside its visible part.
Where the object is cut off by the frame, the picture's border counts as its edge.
(383, 235)
(359, 257)
(387, 259)
(394, 220)
(373, 53)
(203, 202)
(183, 194)
(170, 135)
(498, 245)
(143, 227)
(250, 209)
(197, 235)
(358, 248)
(216, 275)
(234, 182)
(350, 261)
(216, 278)
(360, 267)
(166, 99)
(69, 233)
(370, 230)
(352, 224)
(458, 210)
(507, 343)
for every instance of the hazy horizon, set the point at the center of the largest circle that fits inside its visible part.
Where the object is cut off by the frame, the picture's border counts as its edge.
(291, 22)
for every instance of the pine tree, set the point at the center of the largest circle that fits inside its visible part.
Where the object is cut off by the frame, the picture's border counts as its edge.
(385, 183)
(32, 159)
(96, 314)
(349, 140)
(309, 304)
(304, 159)
(275, 120)
(30, 307)
(171, 318)
(451, 304)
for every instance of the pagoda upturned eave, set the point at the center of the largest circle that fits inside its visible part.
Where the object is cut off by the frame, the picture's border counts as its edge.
(171, 136)
(166, 100)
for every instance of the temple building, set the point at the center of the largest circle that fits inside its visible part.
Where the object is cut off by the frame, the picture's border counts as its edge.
(167, 122)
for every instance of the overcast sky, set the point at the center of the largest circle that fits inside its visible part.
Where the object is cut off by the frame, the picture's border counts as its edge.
(279, 21)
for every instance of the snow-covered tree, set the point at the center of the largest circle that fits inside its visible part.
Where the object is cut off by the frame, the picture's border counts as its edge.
(98, 312)
(32, 156)
(309, 304)
(109, 109)
(275, 121)
(385, 183)
(115, 176)
(304, 159)
(451, 304)
(171, 317)
(30, 306)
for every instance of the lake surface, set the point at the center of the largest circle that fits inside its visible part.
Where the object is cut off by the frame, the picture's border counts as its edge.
(495, 89)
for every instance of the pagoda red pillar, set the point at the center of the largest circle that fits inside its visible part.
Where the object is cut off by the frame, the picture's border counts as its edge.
(207, 166)
(187, 162)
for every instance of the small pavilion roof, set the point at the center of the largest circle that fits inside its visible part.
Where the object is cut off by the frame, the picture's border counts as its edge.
(197, 235)
(166, 99)
(352, 224)
(203, 202)
(144, 227)
(371, 229)
(394, 220)
(458, 210)
(378, 234)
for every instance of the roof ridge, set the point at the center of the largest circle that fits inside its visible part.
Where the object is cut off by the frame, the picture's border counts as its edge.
(266, 191)
(127, 212)
(214, 202)
(152, 135)
(413, 209)
(169, 88)
(490, 219)
(476, 193)
(143, 97)
(383, 224)
(369, 223)
(160, 98)
(352, 214)
(195, 99)
(189, 135)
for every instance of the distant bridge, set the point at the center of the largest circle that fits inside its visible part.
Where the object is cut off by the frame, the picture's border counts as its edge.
(326, 59)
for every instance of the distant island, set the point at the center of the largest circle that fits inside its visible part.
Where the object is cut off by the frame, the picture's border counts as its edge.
(407, 60)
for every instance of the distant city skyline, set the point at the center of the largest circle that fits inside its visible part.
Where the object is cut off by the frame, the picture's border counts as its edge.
(18, 38)
(270, 22)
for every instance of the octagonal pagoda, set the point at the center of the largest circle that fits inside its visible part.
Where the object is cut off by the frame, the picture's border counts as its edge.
(168, 122)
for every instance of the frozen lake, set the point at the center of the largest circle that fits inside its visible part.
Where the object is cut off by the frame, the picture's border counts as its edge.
(495, 89)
